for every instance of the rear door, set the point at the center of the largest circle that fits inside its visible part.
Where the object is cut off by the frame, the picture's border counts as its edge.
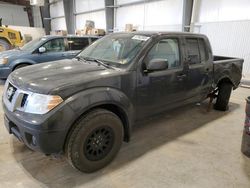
(76, 44)
(200, 68)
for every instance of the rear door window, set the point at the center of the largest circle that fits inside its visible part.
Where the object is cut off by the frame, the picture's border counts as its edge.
(203, 51)
(196, 50)
(193, 51)
(78, 43)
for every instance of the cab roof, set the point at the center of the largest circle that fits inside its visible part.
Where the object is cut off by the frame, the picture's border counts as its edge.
(154, 33)
(69, 36)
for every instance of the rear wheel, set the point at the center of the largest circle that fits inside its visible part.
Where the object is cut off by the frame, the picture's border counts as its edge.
(94, 141)
(223, 97)
(4, 45)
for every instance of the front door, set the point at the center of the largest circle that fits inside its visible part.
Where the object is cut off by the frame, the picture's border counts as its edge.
(55, 50)
(161, 90)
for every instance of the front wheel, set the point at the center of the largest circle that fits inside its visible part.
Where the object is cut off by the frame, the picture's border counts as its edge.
(223, 97)
(94, 141)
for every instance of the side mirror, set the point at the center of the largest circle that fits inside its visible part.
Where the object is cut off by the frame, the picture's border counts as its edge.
(157, 65)
(42, 50)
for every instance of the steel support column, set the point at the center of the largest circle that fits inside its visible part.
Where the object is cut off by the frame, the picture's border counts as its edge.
(187, 15)
(28, 9)
(69, 15)
(109, 10)
(45, 14)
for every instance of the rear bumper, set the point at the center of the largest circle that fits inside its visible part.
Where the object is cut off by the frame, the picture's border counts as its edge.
(4, 72)
(46, 133)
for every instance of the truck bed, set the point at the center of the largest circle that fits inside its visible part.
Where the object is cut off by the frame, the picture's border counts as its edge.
(227, 68)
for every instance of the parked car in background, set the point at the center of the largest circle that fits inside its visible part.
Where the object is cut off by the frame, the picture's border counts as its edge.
(47, 48)
(245, 145)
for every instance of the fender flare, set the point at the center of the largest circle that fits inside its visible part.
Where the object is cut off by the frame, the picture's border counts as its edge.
(226, 79)
(89, 99)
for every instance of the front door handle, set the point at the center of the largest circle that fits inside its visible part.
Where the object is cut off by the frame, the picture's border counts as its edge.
(181, 77)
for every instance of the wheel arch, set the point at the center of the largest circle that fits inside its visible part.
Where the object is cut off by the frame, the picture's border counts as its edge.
(24, 63)
(124, 110)
(107, 106)
(226, 80)
(116, 109)
(21, 61)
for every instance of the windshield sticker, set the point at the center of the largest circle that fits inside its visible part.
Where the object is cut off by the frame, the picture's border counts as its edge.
(140, 37)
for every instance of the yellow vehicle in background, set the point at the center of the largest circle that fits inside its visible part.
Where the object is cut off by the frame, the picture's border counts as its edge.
(9, 38)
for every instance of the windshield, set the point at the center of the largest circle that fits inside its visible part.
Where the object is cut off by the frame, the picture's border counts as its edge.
(117, 48)
(30, 46)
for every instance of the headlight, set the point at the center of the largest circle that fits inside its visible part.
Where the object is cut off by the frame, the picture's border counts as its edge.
(3, 60)
(41, 104)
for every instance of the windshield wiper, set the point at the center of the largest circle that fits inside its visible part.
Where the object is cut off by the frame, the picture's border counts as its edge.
(78, 58)
(99, 62)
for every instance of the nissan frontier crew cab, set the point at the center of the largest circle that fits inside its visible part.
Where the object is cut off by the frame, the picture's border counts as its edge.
(85, 107)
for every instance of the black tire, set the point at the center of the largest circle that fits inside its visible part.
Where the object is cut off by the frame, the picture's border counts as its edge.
(223, 97)
(100, 131)
(21, 66)
(4, 45)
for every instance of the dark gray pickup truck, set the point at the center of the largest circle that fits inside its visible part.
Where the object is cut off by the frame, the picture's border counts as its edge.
(86, 107)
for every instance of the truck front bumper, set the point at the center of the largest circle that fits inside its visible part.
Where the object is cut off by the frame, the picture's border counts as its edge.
(45, 133)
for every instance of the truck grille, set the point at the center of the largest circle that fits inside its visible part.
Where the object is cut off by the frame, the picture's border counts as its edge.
(13, 97)
(25, 96)
(10, 92)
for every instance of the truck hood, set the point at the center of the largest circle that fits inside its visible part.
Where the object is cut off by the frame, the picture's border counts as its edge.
(53, 77)
(13, 53)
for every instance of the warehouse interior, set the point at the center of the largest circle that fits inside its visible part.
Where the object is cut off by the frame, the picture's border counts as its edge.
(189, 146)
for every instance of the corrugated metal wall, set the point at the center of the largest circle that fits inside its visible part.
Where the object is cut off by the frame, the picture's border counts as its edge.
(13, 15)
(89, 5)
(229, 38)
(158, 15)
(57, 15)
(227, 24)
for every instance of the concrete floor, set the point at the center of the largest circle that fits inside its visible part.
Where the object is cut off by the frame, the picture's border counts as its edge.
(187, 147)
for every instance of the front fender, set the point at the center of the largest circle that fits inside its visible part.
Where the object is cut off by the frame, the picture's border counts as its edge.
(94, 97)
